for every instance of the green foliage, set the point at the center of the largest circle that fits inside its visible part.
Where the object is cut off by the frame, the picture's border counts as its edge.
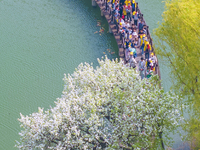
(178, 42)
(193, 133)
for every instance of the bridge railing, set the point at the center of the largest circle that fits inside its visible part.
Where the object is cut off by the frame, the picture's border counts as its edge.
(157, 70)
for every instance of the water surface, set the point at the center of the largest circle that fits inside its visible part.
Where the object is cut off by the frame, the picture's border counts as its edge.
(40, 41)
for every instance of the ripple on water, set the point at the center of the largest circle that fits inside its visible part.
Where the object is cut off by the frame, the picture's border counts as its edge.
(40, 41)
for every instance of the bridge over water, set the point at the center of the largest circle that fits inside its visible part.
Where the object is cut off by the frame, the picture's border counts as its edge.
(114, 27)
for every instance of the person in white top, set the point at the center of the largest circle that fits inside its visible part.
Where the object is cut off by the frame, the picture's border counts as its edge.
(126, 25)
(153, 59)
(135, 35)
(121, 20)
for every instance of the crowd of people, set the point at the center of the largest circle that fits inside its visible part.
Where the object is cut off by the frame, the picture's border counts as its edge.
(133, 33)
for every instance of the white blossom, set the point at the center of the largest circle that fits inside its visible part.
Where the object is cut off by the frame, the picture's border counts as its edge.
(109, 107)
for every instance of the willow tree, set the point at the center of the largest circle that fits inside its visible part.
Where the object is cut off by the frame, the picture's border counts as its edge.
(178, 42)
(105, 108)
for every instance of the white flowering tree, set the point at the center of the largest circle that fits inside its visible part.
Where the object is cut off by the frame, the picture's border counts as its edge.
(109, 107)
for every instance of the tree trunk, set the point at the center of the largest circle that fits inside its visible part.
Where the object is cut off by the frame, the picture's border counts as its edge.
(161, 140)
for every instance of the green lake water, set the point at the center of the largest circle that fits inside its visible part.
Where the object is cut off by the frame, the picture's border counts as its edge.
(42, 40)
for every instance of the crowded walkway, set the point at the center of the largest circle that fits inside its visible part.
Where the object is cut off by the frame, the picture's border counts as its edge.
(134, 35)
